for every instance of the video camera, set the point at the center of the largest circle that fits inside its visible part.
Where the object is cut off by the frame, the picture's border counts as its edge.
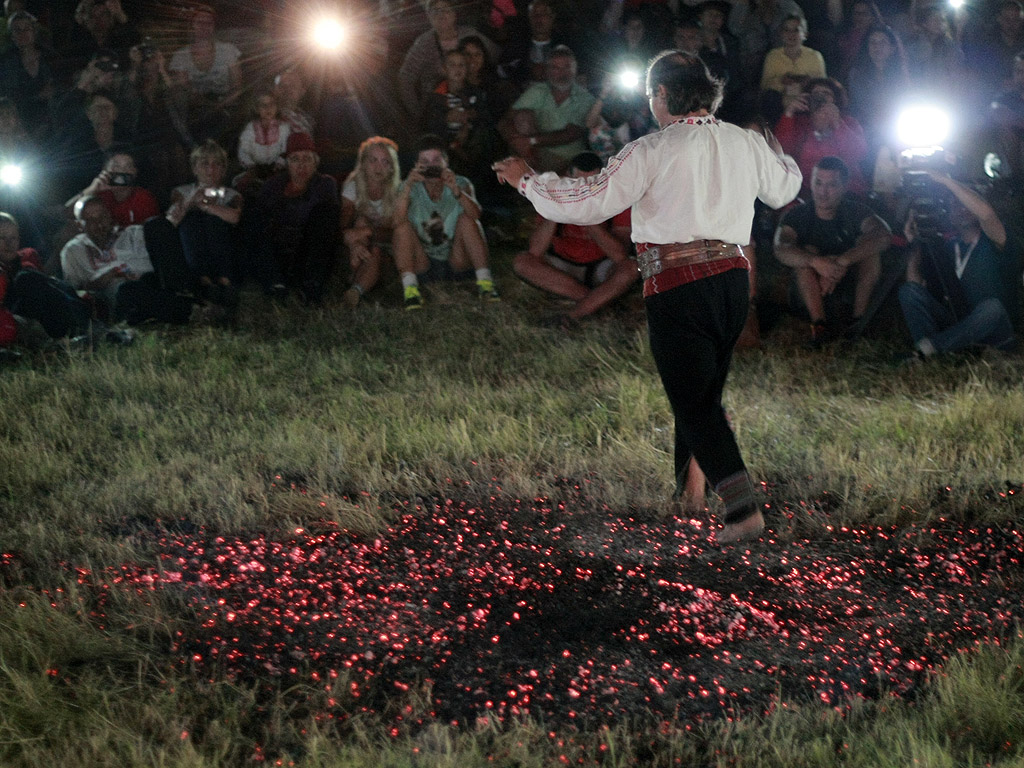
(923, 129)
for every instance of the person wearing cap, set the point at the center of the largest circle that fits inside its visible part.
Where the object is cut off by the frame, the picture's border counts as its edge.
(692, 187)
(294, 233)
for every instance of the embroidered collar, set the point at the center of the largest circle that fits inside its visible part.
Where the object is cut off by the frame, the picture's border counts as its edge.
(696, 120)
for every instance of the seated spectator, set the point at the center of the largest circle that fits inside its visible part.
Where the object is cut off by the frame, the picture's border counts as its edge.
(26, 294)
(966, 291)
(422, 68)
(116, 185)
(546, 125)
(1007, 118)
(834, 245)
(358, 100)
(156, 119)
(720, 50)
(261, 146)
(290, 91)
(935, 60)
(437, 227)
(498, 94)
(206, 214)
(757, 25)
(102, 74)
(367, 213)
(524, 56)
(589, 265)
(295, 237)
(813, 126)
(862, 16)
(456, 111)
(618, 116)
(133, 282)
(26, 73)
(878, 81)
(86, 145)
(792, 58)
(209, 78)
(100, 25)
(629, 42)
(35, 191)
(990, 54)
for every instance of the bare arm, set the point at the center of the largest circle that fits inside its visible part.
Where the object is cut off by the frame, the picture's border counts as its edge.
(607, 242)
(976, 204)
(875, 237)
(541, 238)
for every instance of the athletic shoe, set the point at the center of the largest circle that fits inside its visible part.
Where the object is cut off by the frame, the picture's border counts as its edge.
(413, 300)
(350, 298)
(487, 291)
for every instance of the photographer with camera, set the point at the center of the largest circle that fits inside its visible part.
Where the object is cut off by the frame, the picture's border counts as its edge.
(815, 125)
(116, 185)
(437, 227)
(962, 291)
(206, 214)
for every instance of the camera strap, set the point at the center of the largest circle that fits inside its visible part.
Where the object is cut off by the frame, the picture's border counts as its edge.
(961, 259)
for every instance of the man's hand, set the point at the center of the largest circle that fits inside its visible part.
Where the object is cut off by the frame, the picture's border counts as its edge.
(830, 272)
(511, 170)
(448, 177)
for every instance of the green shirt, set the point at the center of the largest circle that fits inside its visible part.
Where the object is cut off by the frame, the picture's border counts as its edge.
(554, 117)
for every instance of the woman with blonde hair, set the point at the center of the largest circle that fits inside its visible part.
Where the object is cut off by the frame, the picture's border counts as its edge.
(367, 210)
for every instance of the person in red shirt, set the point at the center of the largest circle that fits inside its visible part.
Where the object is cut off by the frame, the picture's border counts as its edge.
(27, 294)
(589, 264)
(116, 186)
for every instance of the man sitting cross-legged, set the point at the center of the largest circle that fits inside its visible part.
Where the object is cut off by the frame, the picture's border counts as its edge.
(589, 264)
(834, 245)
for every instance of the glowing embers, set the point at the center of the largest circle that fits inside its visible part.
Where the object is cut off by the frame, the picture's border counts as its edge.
(576, 614)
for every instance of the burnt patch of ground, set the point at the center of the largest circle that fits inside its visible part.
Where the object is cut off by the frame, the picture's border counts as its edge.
(578, 614)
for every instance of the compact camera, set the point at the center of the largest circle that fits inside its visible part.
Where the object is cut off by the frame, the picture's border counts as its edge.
(213, 194)
(121, 179)
(431, 172)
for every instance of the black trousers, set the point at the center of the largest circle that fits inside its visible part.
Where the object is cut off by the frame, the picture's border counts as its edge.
(693, 329)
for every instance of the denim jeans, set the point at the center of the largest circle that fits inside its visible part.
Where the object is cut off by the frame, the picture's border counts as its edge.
(927, 318)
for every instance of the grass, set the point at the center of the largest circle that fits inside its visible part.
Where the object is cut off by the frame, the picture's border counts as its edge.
(302, 416)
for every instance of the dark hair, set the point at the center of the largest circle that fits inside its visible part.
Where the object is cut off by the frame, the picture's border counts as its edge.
(896, 67)
(430, 141)
(833, 163)
(838, 92)
(689, 86)
(119, 148)
(588, 162)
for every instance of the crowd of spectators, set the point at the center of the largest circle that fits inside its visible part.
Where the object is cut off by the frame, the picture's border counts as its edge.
(268, 159)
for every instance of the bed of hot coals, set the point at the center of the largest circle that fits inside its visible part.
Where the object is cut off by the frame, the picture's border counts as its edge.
(576, 613)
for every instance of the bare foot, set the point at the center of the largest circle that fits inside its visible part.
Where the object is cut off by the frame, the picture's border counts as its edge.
(689, 504)
(745, 530)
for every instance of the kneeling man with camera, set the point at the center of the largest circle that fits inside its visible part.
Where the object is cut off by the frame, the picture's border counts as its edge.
(962, 291)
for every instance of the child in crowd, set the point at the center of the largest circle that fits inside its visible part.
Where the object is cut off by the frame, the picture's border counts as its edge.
(453, 110)
(261, 145)
(367, 213)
